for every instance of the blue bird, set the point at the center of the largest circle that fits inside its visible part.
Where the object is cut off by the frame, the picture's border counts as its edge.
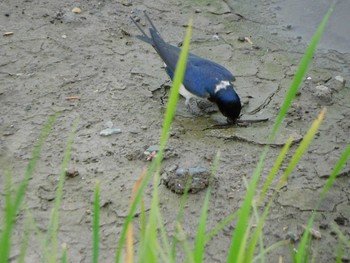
(203, 78)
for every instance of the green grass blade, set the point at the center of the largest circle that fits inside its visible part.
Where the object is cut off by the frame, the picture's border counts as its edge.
(132, 210)
(296, 157)
(341, 236)
(183, 241)
(179, 218)
(169, 115)
(301, 255)
(269, 249)
(64, 255)
(96, 224)
(174, 91)
(256, 235)
(54, 220)
(165, 240)
(5, 237)
(275, 168)
(143, 218)
(200, 237)
(249, 254)
(33, 161)
(25, 241)
(149, 252)
(302, 148)
(12, 207)
(43, 248)
(220, 226)
(301, 71)
(337, 169)
(339, 254)
(199, 244)
(237, 247)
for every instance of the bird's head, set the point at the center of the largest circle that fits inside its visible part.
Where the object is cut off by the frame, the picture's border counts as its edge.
(228, 102)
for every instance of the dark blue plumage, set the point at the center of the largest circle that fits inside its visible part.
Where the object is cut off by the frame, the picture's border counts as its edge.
(203, 78)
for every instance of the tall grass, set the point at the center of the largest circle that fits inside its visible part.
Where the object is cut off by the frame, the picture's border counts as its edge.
(247, 243)
(239, 243)
(14, 201)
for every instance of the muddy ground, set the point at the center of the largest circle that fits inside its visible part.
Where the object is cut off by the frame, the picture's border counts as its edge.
(54, 54)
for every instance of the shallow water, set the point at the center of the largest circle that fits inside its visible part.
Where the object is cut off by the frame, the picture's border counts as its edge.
(305, 16)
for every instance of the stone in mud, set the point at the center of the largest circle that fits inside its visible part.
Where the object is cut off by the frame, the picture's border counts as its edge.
(110, 131)
(176, 180)
(292, 236)
(323, 94)
(337, 83)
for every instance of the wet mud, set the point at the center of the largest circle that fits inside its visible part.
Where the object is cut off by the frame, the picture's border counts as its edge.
(89, 66)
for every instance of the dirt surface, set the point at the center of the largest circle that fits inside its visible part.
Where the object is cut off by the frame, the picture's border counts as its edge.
(55, 55)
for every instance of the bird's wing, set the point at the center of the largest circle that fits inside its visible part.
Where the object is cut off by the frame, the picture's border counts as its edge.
(203, 75)
(169, 53)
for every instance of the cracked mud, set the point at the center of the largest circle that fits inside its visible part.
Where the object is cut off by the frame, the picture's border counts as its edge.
(89, 66)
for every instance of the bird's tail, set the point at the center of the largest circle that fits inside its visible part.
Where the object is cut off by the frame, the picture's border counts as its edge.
(154, 31)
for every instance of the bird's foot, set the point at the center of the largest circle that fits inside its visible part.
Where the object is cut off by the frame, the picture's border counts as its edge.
(238, 122)
(245, 123)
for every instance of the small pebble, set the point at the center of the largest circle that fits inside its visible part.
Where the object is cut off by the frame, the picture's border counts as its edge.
(72, 173)
(152, 148)
(126, 3)
(8, 34)
(110, 131)
(323, 93)
(340, 79)
(76, 10)
(292, 237)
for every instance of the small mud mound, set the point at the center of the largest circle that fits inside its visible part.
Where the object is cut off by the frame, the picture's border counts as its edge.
(176, 180)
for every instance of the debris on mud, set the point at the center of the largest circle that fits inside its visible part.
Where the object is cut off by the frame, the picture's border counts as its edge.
(176, 180)
(110, 129)
(292, 236)
(313, 232)
(151, 152)
(71, 173)
(76, 10)
(8, 34)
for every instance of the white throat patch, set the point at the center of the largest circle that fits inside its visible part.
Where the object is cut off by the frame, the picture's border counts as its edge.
(186, 94)
(222, 85)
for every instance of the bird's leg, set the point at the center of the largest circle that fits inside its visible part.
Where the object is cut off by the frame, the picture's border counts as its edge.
(192, 106)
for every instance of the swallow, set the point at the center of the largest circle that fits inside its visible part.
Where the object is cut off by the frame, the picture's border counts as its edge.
(203, 78)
